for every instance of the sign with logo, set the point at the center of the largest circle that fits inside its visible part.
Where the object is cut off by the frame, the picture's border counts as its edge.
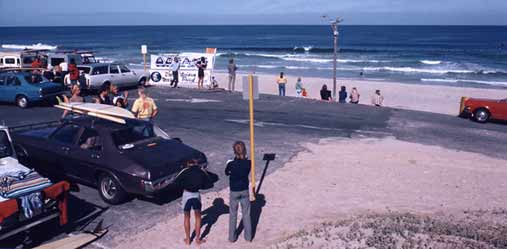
(162, 64)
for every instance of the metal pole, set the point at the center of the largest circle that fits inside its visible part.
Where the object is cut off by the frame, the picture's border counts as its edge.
(335, 48)
(144, 60)
(252, 141)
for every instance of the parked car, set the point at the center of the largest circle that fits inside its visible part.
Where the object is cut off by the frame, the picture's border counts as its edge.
(98, 74)
(57, 58)
(16, 59)
(25, 88)
(483, 110)
(117, 159)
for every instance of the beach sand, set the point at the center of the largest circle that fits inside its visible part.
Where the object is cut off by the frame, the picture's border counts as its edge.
(368, 176)
(429, 98)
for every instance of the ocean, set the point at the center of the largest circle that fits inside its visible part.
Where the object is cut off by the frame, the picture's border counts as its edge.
(473, 56)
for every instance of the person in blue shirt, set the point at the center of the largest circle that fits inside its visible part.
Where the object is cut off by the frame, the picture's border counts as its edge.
(238, 171)
(342, 95)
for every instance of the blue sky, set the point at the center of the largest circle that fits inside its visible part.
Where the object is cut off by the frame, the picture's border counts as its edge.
(196, 12)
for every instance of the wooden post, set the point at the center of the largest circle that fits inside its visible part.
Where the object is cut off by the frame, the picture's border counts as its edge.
(144, 59)
(252, 140)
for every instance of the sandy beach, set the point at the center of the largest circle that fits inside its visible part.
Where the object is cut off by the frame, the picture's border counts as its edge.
(428, 98)
(368, 177)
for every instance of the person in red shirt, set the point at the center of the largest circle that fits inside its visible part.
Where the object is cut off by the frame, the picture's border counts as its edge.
(74, 72)
(36, 63)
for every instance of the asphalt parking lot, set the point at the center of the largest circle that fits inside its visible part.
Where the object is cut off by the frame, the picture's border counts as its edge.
(212, 121)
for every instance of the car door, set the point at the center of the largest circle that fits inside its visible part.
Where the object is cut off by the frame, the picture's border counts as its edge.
(63, 142)
(88, 155)
(128, 77)
(11, 87)
(499, 110)
(4, 97)
(114, 74)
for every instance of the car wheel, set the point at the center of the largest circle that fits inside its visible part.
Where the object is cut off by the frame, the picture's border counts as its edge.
(110, 190)
(481, 115)
(22, 101)
(142, 82)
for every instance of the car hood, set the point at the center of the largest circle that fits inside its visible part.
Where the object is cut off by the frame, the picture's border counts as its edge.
(162, 157)
(49, 87)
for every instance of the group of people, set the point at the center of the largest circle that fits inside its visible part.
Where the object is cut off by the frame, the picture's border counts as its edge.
(325, 94)
(201, 65)
(377, 99)
(144, 107)
(193, 179)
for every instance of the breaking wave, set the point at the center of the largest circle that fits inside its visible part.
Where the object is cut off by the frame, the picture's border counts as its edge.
(33, 46)
(482, 82)
(428, 62)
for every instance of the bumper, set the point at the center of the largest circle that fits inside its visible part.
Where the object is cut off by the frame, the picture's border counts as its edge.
(151, 187)
(49, 96)
(466, 113)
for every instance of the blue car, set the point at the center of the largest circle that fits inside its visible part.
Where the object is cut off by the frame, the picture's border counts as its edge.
(26, 88)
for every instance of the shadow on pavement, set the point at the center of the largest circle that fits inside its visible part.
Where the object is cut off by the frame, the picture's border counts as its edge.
(211, 215)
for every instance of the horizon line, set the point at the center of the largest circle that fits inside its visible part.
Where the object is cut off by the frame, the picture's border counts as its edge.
(233, 25)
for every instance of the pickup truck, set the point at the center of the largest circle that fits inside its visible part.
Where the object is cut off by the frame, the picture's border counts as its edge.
(119, 160)
(98, 74)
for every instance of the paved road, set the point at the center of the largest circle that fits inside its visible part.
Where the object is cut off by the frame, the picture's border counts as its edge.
(212, 121)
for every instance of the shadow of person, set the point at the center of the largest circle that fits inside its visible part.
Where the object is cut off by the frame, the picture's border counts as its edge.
(210, 216)
(255, 214)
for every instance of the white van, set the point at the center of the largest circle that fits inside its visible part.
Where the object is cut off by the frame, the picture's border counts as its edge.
(16, 60)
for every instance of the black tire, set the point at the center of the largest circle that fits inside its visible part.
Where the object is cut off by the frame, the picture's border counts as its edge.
(22, 101)
(110, 190)
(142, 82)
(482, 115)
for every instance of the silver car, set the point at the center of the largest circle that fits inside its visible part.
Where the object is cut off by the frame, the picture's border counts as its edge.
(94, 76)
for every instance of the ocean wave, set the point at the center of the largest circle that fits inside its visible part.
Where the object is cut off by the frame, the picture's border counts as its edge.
(419, 70)
(482, 82)
(306, 49)
(429, 62)
(33, 46)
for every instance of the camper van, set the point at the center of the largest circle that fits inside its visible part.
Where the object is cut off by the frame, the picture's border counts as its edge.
(16, 59)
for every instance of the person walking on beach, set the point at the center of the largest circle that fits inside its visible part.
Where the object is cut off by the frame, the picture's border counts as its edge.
(232, 68)
(342, 95)
(175, 67)
(282, 82)
(73, 72)
(238, 171)
(144, 107)
(377, 98)
(191, 180)
(325, 94)
(354, 96)
(299, 88)
(201, 66)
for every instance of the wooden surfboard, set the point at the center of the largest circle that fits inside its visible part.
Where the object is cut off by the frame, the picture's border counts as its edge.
(112, 113)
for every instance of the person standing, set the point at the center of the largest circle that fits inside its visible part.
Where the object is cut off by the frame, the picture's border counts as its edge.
(282, 82)
(299, 88)
(73, 72)
(201, 66)
(342, 94)
(232, 68)
(191, 180)
(238, 171)
(36, 63)
(120, 100)
(377, 98)
(144, 107)
(175, 67)
(354, 96)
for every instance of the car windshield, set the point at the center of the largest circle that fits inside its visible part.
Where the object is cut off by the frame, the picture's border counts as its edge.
(85, 70)
(133, 134)
(5, 145)
(35, 78)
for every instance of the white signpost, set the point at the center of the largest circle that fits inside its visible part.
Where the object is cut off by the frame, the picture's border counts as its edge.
(144, 51)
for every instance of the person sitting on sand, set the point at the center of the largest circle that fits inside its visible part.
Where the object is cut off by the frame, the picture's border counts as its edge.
(238, 171)
(342, 95)
(354, 96)
(214, 83)
(299, 87)
(325, 94)
(377, 99)
(281, 81)
(191, 180)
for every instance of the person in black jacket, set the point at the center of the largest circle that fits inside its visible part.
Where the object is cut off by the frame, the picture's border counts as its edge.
(238, 171)
(191, 180)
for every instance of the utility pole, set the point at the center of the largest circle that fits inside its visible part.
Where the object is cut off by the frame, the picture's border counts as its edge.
(334, 27)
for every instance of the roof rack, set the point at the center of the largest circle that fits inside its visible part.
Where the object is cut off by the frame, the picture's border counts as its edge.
(21, 69)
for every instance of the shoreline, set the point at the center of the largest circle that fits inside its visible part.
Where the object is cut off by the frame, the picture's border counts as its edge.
(428, 98)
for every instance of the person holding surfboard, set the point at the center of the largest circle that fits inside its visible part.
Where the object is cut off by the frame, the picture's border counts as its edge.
(144, 107)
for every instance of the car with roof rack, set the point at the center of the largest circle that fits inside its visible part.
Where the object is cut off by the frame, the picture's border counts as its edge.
(106, 149)
(97, 75)
(25, 87)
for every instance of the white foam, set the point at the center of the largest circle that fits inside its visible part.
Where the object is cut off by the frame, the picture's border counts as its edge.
(33, 46)
(314, 60)
(417, 70)
(428, 62)
(484, 82)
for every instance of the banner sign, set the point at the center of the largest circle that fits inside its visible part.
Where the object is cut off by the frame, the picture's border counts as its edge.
(161, 64)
